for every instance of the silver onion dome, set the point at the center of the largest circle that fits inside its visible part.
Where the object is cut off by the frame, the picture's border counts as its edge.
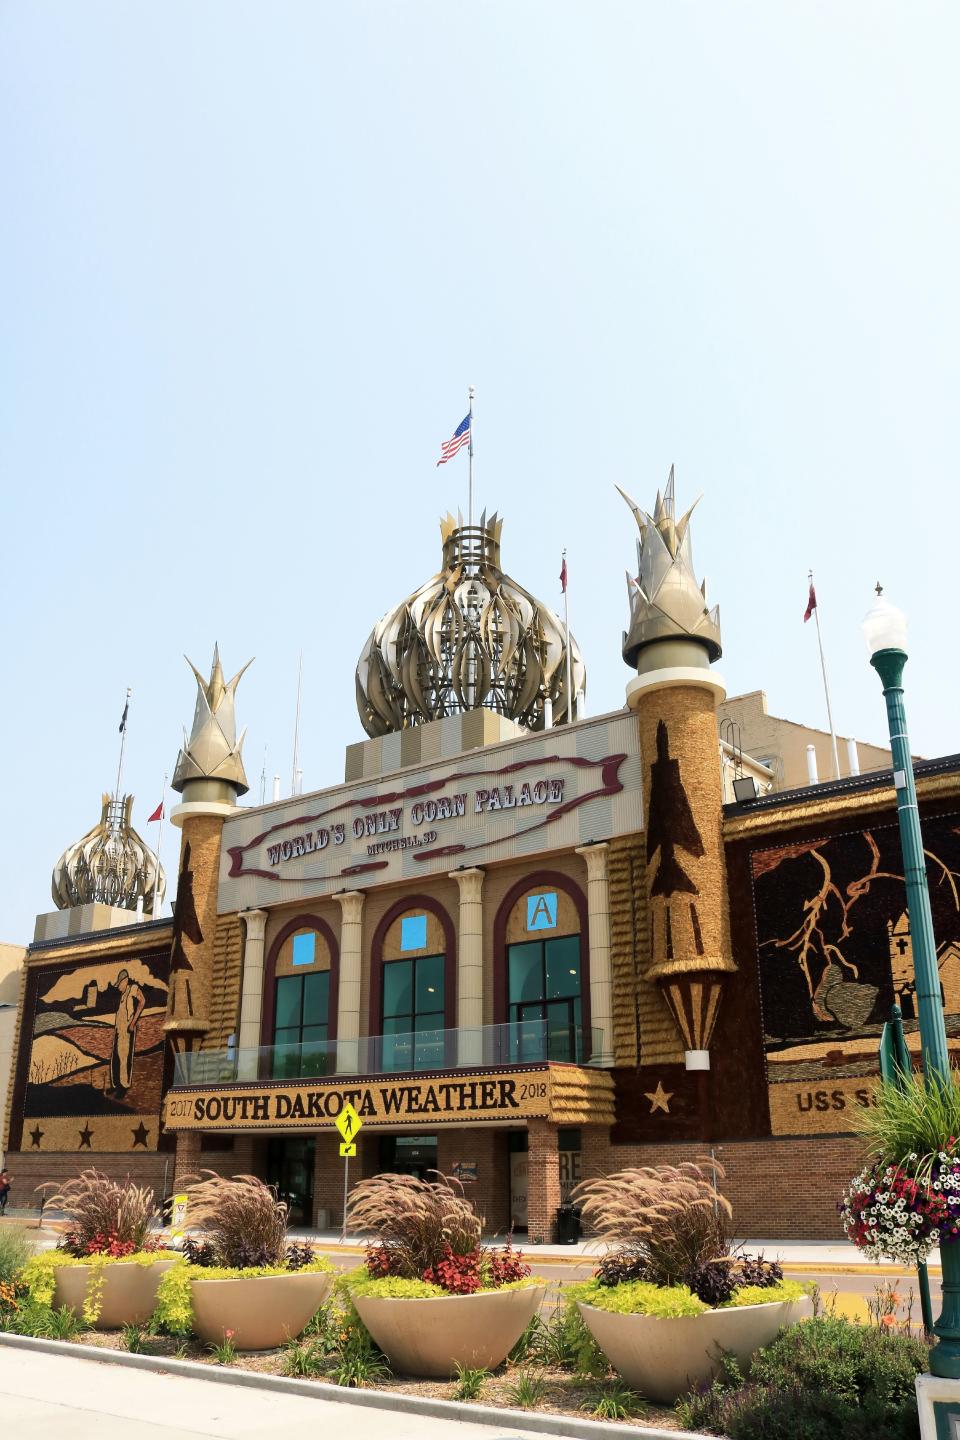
(110, 865)
(470, 637)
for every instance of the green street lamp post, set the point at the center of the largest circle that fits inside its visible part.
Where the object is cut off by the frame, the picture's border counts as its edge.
(885, 631)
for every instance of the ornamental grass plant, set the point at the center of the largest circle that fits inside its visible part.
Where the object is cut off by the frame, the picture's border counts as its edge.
(912, 1122)
(906, 1201)
(418, 1224)
(241, 1218)
(103, 1216)
(671, 1227)
(670, 1219)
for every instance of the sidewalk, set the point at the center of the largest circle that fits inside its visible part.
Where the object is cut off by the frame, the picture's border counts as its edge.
(800, 1255)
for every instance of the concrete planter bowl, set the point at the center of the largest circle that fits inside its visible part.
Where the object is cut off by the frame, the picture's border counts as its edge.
(664, 1358)
(263, 1311)
(430, 1337)
(128, 1297)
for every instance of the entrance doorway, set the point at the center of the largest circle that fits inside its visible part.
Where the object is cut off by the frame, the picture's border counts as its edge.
(290, 1170)
(408, 1155)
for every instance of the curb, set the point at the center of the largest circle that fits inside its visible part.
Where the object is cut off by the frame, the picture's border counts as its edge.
(567, 1427)
(866, 1271)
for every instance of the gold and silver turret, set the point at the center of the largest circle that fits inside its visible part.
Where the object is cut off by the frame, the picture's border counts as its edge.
(471, 637)
(110, 865)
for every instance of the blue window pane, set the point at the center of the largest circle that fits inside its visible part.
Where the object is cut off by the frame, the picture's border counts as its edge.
(429, 986)
(542, 912)
(413, 932)
(398, 988)
(304, 948)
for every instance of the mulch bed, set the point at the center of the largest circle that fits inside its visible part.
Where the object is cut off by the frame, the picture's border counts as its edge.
(564, 1394)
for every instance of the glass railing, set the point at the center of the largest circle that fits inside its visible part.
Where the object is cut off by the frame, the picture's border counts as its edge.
(524, 1042)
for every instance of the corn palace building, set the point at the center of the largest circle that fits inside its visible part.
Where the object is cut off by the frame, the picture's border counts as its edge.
(527, 945)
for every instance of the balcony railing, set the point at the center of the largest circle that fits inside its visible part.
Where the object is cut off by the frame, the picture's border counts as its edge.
(519, 1043)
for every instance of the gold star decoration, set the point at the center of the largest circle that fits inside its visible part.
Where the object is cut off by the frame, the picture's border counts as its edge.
(659, 1098)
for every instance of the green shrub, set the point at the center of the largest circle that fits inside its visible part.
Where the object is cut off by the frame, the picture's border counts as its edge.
(527, 1390)
(853, 1362)
(823, 1379)
(359, 1362)
(174, 1311)
(639, 1297)
(304, 1360)
(469, 1384)
(40, 1320)
(392, 1287)
(765, 1412)
(614, 1401)
(15, 1250)
(911, 1120)
(787, 1292)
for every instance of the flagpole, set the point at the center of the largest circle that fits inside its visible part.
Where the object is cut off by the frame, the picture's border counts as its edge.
(470, 393)
(156, 879)
(296, 730)
(566, 621)
(123, 741)
(826, 690)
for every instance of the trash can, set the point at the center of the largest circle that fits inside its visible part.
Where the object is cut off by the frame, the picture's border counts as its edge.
(566, 1226)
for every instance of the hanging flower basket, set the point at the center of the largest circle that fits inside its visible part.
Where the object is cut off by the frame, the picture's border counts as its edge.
(897, 1212)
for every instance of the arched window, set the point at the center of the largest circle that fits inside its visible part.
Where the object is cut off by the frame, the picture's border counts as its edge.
(413, 983)
(542, 970)
(300, 997)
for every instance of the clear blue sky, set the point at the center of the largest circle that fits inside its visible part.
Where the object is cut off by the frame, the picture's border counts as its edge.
(251, 256)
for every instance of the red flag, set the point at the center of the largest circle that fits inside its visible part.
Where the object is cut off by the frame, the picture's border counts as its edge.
(563, 576)
(157, 814)
(811, 603)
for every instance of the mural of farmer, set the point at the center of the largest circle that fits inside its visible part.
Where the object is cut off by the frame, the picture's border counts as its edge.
(129, 1010)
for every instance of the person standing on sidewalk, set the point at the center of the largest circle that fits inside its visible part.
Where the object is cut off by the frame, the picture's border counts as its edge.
(4, 1190)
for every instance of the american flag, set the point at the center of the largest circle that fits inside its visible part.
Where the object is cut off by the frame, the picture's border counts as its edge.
(459, 438)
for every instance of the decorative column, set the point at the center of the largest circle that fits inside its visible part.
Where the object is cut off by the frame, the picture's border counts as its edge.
(672, 641)
(251, 994)
(599, 1046)
(470, 968)
(348, 994)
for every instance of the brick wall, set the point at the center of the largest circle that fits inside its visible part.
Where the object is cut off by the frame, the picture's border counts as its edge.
(543, 1180)
(490, 1195)
(780, 1188)
(28, 1171)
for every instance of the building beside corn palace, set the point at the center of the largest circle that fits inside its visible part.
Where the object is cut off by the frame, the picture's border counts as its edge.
(528, 946)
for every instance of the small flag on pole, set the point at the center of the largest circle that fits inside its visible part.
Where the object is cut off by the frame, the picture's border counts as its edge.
(157, 814)
(563, 575)
(123, 717)
(811, 604)
(459, 438)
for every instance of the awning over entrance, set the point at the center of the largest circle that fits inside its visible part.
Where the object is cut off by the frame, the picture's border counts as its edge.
(565, 1094)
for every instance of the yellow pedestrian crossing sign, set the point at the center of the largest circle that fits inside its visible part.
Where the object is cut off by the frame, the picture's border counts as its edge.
(348, 1122)
(347, 1150)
